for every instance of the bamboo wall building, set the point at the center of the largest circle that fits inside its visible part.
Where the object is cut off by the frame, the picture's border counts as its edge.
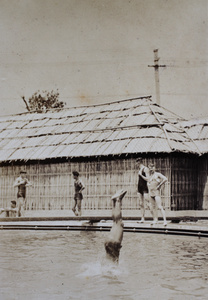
(102, 142)
(198, 130)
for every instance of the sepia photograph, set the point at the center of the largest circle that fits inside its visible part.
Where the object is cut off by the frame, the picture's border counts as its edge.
(104, 149)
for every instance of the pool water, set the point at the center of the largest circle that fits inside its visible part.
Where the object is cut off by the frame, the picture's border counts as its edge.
(55, 265)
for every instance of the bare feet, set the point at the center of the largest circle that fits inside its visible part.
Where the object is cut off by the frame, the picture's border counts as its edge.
(119, 195)
(74, 211)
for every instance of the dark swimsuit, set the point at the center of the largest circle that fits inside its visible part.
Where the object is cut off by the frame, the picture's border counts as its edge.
(142, 184)
(22, 190)
(113, 249)
(77, 186)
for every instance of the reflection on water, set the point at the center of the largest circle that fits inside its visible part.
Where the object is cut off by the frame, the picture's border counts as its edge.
(72, 265)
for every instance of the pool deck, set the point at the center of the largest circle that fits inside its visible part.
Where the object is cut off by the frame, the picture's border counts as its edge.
(192, 223)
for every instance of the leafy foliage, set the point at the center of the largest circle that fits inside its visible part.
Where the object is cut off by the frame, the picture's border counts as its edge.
(44, 101)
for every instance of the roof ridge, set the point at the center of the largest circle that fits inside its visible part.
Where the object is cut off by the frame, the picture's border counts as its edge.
(113, 102)
(160, 106)
(80, 106)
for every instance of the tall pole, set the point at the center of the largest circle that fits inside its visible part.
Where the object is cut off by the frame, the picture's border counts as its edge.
(156, 66)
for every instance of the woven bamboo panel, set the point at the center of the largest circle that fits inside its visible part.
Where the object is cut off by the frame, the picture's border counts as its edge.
(184, 183)
(53, 185)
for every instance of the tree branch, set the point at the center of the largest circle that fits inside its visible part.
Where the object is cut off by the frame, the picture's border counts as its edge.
(23, 98)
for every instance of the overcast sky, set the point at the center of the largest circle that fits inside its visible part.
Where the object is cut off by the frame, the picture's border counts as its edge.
(96, 51)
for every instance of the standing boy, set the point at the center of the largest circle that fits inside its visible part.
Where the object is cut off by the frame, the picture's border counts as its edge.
(21, 182)
(142, 186)
(78, 188)
(155, 181)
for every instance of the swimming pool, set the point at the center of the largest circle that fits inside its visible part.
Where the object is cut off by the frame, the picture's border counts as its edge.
(72, 265)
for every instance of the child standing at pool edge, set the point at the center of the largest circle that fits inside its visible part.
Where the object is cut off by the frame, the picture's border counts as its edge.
(21, 183)
(78, 188)
(155, 181)
(142, 188)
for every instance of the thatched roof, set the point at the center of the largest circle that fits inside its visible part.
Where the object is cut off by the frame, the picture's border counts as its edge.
(197, 129)
(123, 127)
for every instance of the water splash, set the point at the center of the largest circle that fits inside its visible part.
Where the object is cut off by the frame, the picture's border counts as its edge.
(102, 267)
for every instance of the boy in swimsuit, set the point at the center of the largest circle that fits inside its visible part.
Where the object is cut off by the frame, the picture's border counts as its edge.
(142, 186)
(113, 242)
(155, 181)
(21, 182)
(10, 211)
(78, 188)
